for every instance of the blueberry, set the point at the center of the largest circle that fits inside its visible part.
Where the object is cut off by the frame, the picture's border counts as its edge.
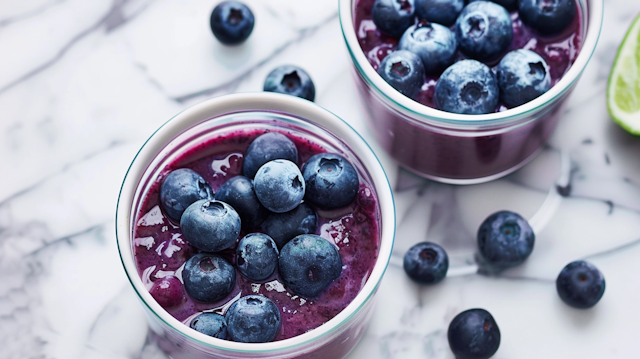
(580, 285)
(167, 291)
(308, 264)
(253, 319)
(505, 239)
(282, 227)
(443, 12)
(548, 17)
(268, 147)
(404, 71)
(279, 185)
(468, 87)
(208, 277)
(484, 30)
(473, 334)
(522, 76)
(231, 22)
(332, 182)
(426, 263)
(238, 193)
(510, 5)
(434, 44)
(180, 189)
(393, 17)
(290, 80)
(211, 324)
(257, 256)
(210, 225)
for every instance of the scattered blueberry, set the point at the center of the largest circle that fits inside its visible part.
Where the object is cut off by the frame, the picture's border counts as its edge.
(580, 285)
(426, 263)
(468, 87)
(331, 181)
(548, 17)
(404, 71)
(505, 239)
(211, 324)
(510, 5)
(522, 76)
(268, 147)
(393, 17)
(231, 22)
(167, 291)
(210, 225)
(253, 319)
(257, 256)
(283, 227)
(443, 12)
(238, 193)
(308, 264)
(434, 44)
(290, 80)
(180, 189)
(279, 185)
(484, 30)
(208, 277)
(474, 334)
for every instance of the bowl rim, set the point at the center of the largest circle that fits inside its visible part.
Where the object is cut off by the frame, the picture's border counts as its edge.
(592, 11)
(242, 103)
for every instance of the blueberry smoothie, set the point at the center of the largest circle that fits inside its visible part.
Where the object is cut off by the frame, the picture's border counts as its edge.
(465, 58)
(160, 248)
(559, 50)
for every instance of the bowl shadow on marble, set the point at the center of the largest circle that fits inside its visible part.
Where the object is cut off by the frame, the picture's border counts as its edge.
(580, 319)
(232, 57)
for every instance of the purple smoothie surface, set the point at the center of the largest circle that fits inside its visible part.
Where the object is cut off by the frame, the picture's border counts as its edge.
(160, 250)
(559, 51)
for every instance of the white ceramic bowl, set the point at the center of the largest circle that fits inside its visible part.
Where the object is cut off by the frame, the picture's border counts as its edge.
(334, 339)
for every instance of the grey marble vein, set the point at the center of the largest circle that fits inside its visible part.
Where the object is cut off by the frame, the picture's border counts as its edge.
(97, 228)
(113, 18)
(611, 204)
(117, 17)
(155, 83)
(64, 168)
(614, 251)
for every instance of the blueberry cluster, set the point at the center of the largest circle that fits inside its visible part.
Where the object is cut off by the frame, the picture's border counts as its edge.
(434, 34)
(505, 239)
(274, 203)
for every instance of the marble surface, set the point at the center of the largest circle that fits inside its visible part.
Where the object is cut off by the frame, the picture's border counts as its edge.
(84, 83)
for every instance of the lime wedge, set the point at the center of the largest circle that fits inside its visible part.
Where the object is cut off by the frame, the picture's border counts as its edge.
(623, 89)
